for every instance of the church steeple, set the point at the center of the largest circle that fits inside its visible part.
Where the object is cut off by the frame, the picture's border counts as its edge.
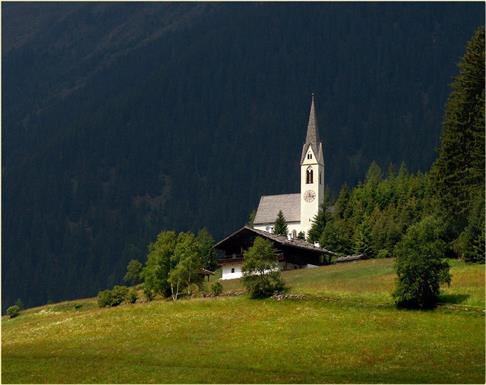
(311, 173)
(312, 130)
(312, 138)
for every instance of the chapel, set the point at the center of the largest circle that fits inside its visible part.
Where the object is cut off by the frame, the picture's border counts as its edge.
(299, 210)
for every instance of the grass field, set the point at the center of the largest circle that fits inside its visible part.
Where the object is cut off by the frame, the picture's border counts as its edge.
(345, 331)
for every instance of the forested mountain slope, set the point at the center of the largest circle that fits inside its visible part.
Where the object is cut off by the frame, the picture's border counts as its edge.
(120, 120)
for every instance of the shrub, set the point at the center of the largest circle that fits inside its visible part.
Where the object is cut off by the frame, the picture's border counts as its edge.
(118, 294)
(216, 288)
(148, 293)
(132, 296)
(13, 311)
(420, 265)
(264, 287)
(77, 306)
(105, 298)
(383, 253)
(260, 270)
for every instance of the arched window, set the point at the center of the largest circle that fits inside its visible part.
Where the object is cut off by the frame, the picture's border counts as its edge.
(294, 234)
(309, 176)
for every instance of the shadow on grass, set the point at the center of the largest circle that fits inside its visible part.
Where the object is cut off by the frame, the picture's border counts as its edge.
(453, 298)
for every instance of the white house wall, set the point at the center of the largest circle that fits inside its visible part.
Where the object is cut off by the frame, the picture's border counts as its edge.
(237, 266)
(227, 274)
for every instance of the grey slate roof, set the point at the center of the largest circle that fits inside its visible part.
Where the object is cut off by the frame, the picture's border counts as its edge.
(270, 205)
(312, 138)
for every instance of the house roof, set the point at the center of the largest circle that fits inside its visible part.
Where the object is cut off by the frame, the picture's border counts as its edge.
(281, 239)
(270, 205)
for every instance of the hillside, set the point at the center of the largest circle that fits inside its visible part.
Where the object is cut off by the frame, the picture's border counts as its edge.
(120, 120)
(345, 331)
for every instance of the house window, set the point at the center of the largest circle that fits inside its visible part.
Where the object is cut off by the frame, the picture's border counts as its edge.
(232, 269)
(309, 177)
(309, 156)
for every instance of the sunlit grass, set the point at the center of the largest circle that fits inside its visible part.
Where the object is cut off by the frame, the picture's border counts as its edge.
(352, 334)
(374, 280)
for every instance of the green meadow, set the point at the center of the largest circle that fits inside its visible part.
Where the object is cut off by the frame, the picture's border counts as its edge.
(344, 330)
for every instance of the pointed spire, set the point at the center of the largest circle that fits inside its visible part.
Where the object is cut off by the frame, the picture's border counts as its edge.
(312, 138)
(312, 129)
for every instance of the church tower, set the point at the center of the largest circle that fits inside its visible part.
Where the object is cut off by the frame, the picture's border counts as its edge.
(311, 173)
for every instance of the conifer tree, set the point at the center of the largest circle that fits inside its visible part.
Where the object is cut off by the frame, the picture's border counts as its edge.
(318, 225)
(362, 240)
(459, 169)
(280, 226)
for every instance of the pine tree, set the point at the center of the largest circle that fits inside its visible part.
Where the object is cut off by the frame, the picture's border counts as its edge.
(280, 226)
(318, 225)
(363, 241)
(459, 169)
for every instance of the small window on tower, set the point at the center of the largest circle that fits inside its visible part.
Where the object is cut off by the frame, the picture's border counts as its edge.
(309, 177)
(320, 182)
(309, 156)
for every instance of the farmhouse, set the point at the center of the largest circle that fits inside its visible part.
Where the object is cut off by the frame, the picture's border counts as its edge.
(299, 209)
(293, 253)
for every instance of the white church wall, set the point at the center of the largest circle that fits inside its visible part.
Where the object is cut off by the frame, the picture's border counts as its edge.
(308, 210)
(291, 226)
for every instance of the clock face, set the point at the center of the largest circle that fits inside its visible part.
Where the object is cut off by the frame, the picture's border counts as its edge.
(309, 195)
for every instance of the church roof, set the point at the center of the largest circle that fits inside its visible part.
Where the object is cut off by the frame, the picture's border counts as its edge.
(312, 138)
(270, 205)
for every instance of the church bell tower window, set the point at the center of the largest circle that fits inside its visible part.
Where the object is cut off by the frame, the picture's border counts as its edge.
(309, 177)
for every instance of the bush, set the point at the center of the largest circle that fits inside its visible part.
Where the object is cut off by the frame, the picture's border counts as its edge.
(420, 265)
(105, 298)
(118, 295)
(132, 296)
(263, 288)
(77, 306)
(216, 288)
(13, 311)
(260, 270)
(149, 294)
(384, 253)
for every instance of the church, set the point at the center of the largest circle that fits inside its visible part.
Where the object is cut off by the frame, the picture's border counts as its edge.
(299, 209)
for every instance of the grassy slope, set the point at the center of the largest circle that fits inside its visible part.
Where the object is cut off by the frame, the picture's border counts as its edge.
(354, 335)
